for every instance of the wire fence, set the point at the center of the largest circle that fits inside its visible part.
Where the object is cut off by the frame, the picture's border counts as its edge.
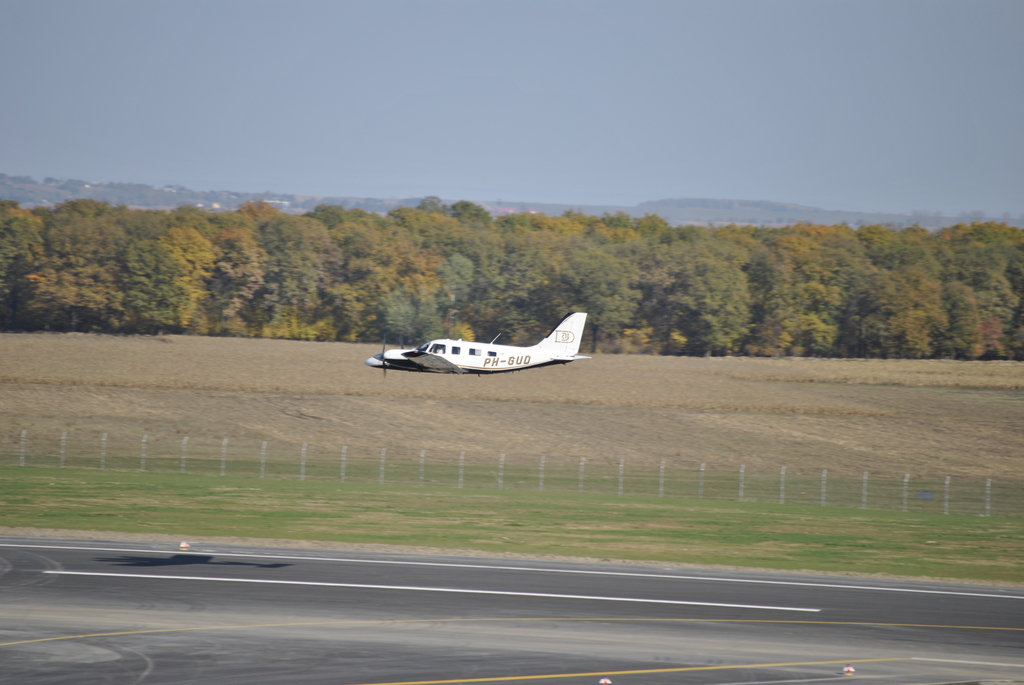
(360, 464)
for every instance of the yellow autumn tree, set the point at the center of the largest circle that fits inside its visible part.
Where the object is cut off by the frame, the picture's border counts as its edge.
(196, 256)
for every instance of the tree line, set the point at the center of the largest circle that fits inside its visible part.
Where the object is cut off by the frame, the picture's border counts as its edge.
(438, 270)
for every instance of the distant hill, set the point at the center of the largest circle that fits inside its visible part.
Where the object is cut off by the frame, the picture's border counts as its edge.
(757, 212)
(772, 213)
(30, 192)
(730, 205)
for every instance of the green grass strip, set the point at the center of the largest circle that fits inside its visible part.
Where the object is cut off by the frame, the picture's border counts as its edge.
(747, 534)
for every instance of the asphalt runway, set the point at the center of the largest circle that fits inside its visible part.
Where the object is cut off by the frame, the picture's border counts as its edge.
(117, 613)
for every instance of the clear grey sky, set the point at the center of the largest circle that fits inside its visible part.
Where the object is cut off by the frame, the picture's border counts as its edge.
(885, 105)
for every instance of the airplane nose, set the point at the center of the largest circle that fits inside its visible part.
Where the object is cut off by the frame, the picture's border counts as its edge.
(374, 361)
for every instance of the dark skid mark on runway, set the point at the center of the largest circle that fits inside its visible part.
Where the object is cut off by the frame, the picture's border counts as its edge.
(180, 560)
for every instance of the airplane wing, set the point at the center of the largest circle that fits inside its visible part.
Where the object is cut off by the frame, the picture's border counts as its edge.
(433, 362)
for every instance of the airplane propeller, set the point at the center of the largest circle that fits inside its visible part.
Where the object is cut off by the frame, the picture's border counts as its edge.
(384, 364)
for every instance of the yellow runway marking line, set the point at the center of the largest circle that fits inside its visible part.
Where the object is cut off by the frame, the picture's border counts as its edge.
(489, 620)
(638, 672)
(184, 630)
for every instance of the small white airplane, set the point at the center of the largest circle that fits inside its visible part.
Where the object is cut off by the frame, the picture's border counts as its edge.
(459, 356)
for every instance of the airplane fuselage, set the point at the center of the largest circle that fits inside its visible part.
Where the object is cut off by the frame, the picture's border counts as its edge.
(461, 357)
(471, 357)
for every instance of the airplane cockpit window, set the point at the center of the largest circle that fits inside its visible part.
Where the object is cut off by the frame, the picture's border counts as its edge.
(437, 349)
(473, 352)
(492, 354)
(456, 350)
(423, 347)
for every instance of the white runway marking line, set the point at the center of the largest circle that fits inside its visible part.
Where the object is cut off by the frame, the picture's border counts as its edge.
(972, 663)
(414, 588)
(529, 569)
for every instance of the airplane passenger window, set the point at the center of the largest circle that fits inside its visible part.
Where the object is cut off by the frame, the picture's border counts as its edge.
(473, 352)
(492, 354)
(456, 350)
(437, 349)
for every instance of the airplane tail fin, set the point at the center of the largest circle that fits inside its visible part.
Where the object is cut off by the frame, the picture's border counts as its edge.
(564, 339)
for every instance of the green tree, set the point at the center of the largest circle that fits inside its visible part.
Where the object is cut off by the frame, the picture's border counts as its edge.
(469, 213)
(21, 244)
(695, 295)
(156, 295)
(651, 225)
(411, 317)
(292, 271)
(236, 278)
(890, 249)
(258, 210)
(961, 339)
(600, 284)
(457, 274)
(803, 281)
(985, 256)
(75, 283)
(522, 294)
(433, 205)
(910, 316)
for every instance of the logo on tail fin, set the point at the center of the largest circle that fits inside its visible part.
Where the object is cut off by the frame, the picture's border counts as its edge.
(564, 337)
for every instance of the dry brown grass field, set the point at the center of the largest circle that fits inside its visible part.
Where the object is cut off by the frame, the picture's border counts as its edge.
(929, 418)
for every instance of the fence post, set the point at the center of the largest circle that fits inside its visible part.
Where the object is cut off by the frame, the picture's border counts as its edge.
(782, 485)
(661, 479)
(142, 465)
(824, 477)
(103, 452)
(622, 473)
(700, 483)
(63, 448)
(462, 467)
(21, 452)
(945, 497)
(344, 458)
(184, 452)
(540, 482)
(263, 459)
(906, 484)
(988, 497)
(743, 468)
(579, 487)
(302, 462)
(383, 454)
(423, 459)
(501, 472)
(864, 491)
(224, 456)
